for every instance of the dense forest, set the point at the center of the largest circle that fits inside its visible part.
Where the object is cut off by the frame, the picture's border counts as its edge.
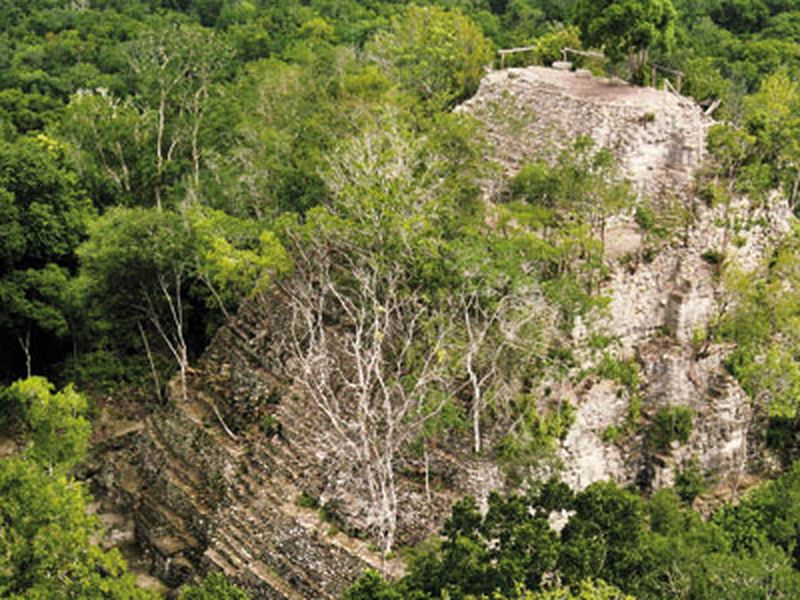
(164, 162)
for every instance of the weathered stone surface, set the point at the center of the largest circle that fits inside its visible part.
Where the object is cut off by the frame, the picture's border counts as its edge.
(661, 307)
(658, 137)
(585, 456)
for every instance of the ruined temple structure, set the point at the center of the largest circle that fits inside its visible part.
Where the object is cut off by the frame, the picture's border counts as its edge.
(259, 502)
(658, 137)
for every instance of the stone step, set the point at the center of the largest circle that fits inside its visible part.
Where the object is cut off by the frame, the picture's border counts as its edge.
(175, 461)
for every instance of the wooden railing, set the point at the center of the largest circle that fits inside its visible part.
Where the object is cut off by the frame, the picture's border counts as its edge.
(565, 52)
(504, 53)
(679, 75)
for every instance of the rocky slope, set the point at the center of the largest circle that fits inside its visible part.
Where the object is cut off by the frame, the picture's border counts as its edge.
(230, 476)
(658, 137)
(664, 294)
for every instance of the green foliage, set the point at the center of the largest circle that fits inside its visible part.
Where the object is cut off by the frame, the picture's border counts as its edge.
(690, 481)
(767, 515)
(611, 434)
(305, 500)
(235, 258)
(148, 272)
(534, 433)
(291, 116)
(646, 549)
(758, 156)
(43, 216)
(563, 211)
(56, 422)
(371, 586)
(645, 217)
(585, 590)
(598, 341)
(193, 127)
(214, 587)
(512, 547)
(46, 548)
(671, 424)
(271, 426)
(626, 27)
(549, 46)
(763, 326)
(134, 261)
(623, 372)
(715, 258)
(438, 55)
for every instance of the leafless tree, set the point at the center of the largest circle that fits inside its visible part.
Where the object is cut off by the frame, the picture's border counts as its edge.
(370, 353)
(365, 343)
(378, 352)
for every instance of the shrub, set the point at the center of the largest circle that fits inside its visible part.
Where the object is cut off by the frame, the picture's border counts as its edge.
(214, 587)
(611, 434)
(549, 45)
(713, 257)
(671, 424)
(690, 482)
(271, 426)
(600, 342)
(645, 217)
(624, 372)
(306, 500)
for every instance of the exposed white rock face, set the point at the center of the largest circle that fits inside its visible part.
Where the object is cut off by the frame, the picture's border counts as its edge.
(585, 456)
(661, 302)
(658, 137)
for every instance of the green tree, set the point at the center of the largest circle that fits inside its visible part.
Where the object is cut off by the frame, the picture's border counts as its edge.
(568, 205)
(214, 587)
(773, 118)
(671, 424)
(109, 144)
(46, 548)
(44, 218)
(439, 55)
(55, 422)
(175, 68)
(136, 266)
(762, 322)
(290, 117)
(604, 538)
(140, 148)
(626, 28)
(586, 590)
(149, 273)
(373, 257)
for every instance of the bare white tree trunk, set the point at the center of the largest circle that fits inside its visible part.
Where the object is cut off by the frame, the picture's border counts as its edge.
(495, 329)
(173, 334)
(427, 471)
(153, 370)
(372, 351)
(368, 354)
(25, 343)
(162, 120)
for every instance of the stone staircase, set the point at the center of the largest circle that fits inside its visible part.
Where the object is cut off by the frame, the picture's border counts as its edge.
(207, 501)
(215, 492)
